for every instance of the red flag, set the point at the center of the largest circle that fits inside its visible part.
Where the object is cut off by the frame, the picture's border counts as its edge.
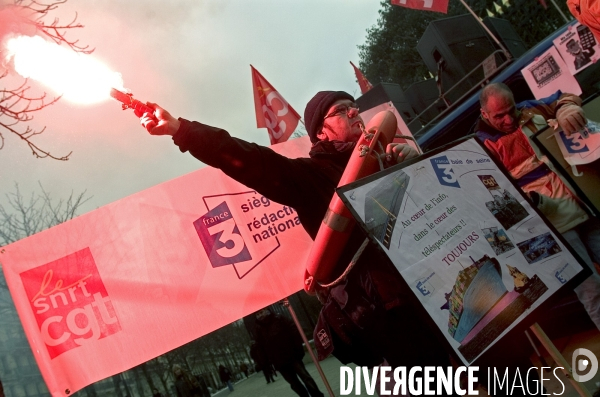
(362, 80)
(544, 4)
(427, 5)
(272, 111)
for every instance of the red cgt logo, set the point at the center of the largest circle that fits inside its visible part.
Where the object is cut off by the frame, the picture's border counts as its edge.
(70, 302)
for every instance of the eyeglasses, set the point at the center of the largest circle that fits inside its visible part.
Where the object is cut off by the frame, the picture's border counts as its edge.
(344, 109)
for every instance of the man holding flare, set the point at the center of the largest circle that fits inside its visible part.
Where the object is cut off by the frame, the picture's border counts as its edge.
(376, 323)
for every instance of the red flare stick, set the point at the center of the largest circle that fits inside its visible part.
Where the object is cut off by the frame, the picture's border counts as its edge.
(129, 102)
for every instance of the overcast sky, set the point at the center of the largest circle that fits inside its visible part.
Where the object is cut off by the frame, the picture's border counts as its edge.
(192, 57)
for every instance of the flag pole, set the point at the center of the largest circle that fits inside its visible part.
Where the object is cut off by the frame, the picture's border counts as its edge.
(560, 11)
(286, 303)
(559, 359)
(506, 53)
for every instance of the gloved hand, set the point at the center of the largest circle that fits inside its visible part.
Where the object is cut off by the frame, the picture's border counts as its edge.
(399, 152)
(571, 118)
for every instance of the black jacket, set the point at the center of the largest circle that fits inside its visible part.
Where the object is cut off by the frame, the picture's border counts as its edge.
(279, 339)
(307, 185)
(224, 374)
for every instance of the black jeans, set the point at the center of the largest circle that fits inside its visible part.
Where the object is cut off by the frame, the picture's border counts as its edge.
(268, 372)
(294, 372)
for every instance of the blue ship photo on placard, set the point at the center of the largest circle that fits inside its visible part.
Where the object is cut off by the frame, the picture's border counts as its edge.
(539, 247)
(481, 307)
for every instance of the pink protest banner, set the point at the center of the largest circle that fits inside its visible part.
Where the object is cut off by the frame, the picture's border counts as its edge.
(127, 282)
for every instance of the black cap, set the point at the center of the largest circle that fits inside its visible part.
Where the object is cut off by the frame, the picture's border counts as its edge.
(317, 108)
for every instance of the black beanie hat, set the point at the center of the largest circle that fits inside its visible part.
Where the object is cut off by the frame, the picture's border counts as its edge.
(317, 108)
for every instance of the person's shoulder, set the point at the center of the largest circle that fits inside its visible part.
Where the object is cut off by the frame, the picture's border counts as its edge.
(485, 132)
(302, 161)
(532, 103)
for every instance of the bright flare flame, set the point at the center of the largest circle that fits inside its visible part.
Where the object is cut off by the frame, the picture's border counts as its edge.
(78, 77)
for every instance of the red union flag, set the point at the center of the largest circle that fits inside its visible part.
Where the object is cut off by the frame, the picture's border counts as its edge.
(427, 5)
(272, 111)
(362, 80)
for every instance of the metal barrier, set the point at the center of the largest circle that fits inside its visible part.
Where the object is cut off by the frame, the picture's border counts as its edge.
(443, 96)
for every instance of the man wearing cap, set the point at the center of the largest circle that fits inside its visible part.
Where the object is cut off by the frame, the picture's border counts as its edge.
(377, 322)
(305, 184)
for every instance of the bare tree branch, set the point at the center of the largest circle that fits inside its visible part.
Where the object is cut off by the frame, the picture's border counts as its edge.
(55, 31)
(23, 217)
(16, 104)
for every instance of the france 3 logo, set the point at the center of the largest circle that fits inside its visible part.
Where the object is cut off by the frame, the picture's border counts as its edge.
(444, 172)
(428, 284)
(228, 234)
(70, 303)
(424, 288)
(564, 272)
(574, 143)
(221, 237)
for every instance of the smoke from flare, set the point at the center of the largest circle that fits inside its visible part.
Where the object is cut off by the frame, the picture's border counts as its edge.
(78, 77)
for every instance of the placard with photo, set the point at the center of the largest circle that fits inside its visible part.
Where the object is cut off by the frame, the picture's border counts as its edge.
(578, 47)
(470, 246)
(549, 73)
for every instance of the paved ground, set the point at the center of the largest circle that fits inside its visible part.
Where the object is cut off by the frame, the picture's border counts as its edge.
(255, 385)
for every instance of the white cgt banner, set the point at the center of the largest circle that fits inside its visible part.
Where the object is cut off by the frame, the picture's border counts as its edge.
(134, 279)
